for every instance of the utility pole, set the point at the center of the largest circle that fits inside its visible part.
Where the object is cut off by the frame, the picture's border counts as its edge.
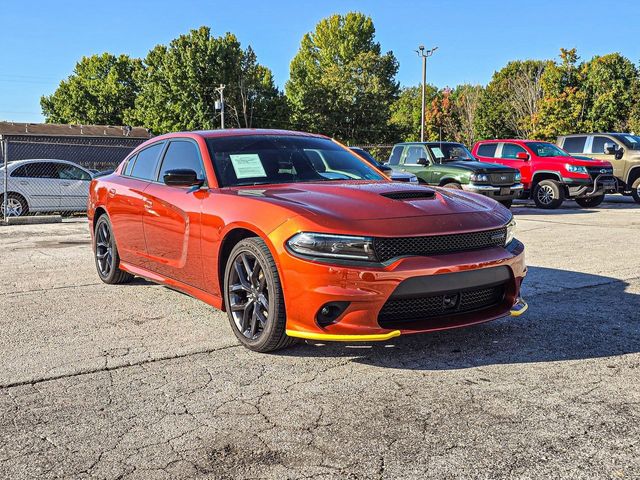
(220, 104)
(424, 55)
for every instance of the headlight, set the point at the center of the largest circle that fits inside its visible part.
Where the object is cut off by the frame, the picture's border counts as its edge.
(511, 231)
(518, 177)
(413, 179)
(479, 177)
(332, 246)
(576, 169)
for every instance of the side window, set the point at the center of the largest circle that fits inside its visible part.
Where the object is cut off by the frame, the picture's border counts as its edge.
(574, 144)
(182, 154)
(145, 165)
(510, 150)
(129, 166)
(598, 144)
(71, 172)
(413, 153)
(21, 171)
(396, 153)
(487, 150)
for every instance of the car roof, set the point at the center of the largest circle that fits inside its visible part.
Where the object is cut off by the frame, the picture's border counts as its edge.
(235, 132)
(15, 163)
(512, 140)
(435, 142)
(593, 133)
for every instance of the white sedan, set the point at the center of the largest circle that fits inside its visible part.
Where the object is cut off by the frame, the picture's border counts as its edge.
(44, 186)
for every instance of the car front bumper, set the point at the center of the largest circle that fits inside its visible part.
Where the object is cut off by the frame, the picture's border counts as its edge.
(309, 285)
(584, 188)
(507, 192)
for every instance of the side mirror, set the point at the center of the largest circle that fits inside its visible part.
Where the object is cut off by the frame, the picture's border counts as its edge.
(610, 148)
(182, 177)
(423, 161)
(524, 156)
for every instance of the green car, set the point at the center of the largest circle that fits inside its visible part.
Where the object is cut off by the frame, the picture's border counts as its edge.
(451, 165)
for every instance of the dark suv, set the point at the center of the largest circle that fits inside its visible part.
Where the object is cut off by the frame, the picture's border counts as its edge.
(451, 165)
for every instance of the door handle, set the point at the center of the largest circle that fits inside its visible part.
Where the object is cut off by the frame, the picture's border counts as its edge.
(24, 183)
(66, 184)
(112, 192)
(148, 204)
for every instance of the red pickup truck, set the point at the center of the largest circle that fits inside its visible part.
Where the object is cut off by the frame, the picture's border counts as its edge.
(549, 174)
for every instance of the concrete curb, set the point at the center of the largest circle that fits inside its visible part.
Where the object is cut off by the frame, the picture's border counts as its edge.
(33, 220)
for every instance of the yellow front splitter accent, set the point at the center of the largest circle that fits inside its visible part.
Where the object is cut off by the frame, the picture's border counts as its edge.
(519, 307)
(328, 337)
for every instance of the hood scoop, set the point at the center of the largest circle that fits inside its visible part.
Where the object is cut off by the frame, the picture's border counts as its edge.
(410, 194)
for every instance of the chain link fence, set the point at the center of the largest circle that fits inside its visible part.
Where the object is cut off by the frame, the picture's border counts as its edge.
(46, 174)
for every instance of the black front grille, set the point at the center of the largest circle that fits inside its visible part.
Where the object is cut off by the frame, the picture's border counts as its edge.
(450, 303)
(595, 171)
(388, 248)
(410, 194)
(502, 178)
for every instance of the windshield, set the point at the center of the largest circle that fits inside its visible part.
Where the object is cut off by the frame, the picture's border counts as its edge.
(450, 152)
(545, 149)
(270, 159)
(632, 142)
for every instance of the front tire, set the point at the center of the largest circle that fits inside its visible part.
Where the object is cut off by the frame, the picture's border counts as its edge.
(453, 186)
(106, 254)
(254, 298)
(548, 194)
(635, 190)
(590, 202)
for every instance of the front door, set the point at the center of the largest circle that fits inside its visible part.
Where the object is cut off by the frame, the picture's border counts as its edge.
(172, 218)
(597, 151)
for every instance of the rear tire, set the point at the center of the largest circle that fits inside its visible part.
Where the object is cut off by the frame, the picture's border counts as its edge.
(590, 202)
(507, 203)
(106, 254)
(635, 190)
(254, 299)
(548, 194)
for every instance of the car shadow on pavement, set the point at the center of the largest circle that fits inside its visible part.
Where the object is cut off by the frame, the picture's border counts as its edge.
(572, 316)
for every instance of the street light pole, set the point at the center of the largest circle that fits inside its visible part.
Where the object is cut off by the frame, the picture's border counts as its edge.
(424, 55)
(220, 90)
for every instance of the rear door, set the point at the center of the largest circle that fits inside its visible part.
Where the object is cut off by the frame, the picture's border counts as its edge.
(74, 187)
(172, 217)
(38, 182)
(507, 155)
(126, 204)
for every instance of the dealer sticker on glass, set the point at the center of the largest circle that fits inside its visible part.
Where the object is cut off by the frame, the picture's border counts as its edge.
(247, 165)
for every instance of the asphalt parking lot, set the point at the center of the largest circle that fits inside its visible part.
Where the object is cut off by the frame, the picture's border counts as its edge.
(139, 381)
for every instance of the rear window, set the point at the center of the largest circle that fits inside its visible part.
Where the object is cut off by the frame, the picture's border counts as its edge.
(273, 159)
(574, 144)
(487, 150)
(145, 165)
(37, 170)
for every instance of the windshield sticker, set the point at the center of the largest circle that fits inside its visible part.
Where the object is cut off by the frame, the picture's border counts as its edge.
(437, 152)
(247, 165)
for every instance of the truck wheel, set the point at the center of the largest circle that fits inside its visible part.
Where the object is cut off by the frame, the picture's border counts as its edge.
(635, 190)
(453, 186)
(590, 202)
(507, 203)
(548, 194)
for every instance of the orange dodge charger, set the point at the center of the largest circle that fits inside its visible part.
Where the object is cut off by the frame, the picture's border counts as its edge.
(296, 236)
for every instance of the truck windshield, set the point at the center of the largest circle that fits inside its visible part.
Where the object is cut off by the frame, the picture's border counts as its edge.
(632, 142)
(270, 159)
(450, 152)
(545, 149)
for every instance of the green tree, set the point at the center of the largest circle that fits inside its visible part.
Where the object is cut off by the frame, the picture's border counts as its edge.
(178, 86)
(563, 105)
(610, 82)
(511, 102)
(406, 112)
(101, 90)
(340, 83)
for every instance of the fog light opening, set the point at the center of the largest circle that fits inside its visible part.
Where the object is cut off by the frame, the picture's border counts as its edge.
(329, 313)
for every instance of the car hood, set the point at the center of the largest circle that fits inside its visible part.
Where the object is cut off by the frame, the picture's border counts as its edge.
(479, 167)
(579, 161)
(362, 200)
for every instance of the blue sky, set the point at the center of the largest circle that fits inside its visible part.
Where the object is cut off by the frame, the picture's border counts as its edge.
(42, 40)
